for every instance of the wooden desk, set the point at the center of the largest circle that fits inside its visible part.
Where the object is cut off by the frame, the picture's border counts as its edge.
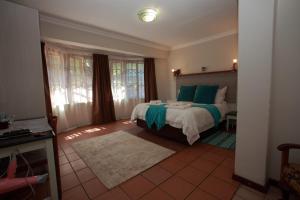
(31, 143)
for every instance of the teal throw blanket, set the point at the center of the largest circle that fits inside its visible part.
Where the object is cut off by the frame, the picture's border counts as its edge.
(213, 110)
(156, 114)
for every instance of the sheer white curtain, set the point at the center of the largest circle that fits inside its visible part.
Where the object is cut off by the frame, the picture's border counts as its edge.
(70, 81)
(127, 84)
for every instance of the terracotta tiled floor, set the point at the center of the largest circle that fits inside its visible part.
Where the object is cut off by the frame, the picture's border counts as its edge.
(194, 172)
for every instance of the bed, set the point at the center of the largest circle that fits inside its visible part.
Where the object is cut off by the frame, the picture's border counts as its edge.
(190, 124)
(191, 121)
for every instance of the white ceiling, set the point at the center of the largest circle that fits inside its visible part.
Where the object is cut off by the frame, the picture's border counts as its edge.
(179, 21)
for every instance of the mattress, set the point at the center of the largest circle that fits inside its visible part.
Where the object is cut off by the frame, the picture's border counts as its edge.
(193, 120)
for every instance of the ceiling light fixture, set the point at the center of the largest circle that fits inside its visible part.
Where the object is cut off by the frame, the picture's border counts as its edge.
(148, 14)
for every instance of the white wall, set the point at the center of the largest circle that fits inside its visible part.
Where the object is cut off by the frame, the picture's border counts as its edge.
(285, 109)
(66, 34)
(162, 78)
(254, 88)
(62, 32)
(21, 78)
(216, 55)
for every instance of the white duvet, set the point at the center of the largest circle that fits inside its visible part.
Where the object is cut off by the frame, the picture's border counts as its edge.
(192, 121)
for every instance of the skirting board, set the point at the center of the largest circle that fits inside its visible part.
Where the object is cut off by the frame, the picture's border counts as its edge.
(255, 186)
(274, 182)
(247, 182)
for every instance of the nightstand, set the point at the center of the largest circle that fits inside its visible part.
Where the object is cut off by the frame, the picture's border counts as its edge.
(231, 116)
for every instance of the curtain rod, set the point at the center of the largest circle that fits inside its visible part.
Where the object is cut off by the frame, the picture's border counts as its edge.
(124, 57)
(91, 51)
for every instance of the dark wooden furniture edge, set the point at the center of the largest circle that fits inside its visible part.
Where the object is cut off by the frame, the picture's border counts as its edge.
(172, 133)
(211, 72)
(167, 131)
(288, 146)
(285, 150)
(53, 123)
(274, 182)
(23, 167)
(251, 184)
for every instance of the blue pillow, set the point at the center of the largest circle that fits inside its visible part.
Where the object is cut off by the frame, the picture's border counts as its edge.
(186, 93)
(205, 94)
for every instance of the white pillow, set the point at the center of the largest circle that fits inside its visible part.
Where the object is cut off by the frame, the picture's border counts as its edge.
(220, 96)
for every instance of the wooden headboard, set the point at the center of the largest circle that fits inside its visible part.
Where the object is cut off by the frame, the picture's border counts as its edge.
(223, 78)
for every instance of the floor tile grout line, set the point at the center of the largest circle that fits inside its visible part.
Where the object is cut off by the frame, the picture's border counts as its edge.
(176, 173)
(60, 145)
(235, 194)
(75, 172)
(188, 164)
(156, 186)
(201, 183)
(225, 181)
(173, 175)
(72, 160)
(203, 192)
(124, 191)
(80, 184)
(193, 183)
(210, 174)
(252, 192)
(83, 183)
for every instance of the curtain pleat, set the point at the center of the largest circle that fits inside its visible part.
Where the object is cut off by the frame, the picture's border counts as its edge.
(52, 120)
(127, 85)
(150, 79)
(103, 105)
(70, 80)
(46, 83)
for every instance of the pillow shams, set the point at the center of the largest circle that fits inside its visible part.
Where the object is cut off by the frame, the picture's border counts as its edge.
(205, 94)
(220, 96)
(186, 93)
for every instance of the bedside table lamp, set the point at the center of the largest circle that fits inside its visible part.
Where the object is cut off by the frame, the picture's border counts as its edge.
(234, 64)
(176, 72)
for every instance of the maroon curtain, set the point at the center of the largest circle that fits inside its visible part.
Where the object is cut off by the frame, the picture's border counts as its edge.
(150, 79)
(46, 83)
(103, 104)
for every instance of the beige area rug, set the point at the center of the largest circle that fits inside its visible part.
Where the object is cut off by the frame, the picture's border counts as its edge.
(118, 156)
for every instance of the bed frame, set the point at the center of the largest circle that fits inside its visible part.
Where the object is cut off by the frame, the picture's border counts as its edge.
(176, 134)
(222, 78)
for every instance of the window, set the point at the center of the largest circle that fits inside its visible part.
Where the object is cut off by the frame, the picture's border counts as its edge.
(81, 74)
(70, 77)
(127, 79)
(127, 84)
